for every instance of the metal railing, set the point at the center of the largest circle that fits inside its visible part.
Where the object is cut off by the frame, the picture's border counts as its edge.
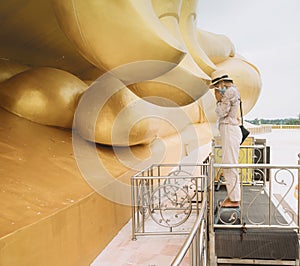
(164, 197)
(167, 195)
(279, 189)
(280, 210)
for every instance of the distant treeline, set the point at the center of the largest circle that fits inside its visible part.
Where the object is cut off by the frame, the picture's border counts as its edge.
(286, 121)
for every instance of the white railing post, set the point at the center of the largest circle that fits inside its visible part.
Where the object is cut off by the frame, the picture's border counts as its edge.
(133, 208)
(211, 183)
(210, 191)
(265, 160)
(298, 198)
(298, 190)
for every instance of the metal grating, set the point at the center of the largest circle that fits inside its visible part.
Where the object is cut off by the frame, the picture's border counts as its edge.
(257, 244)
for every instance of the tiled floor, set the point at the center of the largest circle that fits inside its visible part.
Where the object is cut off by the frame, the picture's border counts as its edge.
(145, 251)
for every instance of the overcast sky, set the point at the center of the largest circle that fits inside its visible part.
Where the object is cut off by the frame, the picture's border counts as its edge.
(266, 33)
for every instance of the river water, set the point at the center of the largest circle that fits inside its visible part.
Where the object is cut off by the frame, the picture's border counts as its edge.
(284, 149)
(284, 145)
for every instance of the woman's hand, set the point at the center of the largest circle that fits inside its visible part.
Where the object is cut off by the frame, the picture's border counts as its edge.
(218, 95)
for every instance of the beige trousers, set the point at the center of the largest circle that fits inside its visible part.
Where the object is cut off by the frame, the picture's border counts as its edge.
(231, 137)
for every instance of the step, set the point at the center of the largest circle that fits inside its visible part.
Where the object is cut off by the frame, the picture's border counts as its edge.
(257, 244)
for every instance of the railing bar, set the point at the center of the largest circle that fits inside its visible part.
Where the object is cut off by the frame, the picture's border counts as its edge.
(143, 204)
(172, 209)
(255, 261)
(242, 200)
(256, 226)
(245, 146)
(202, 239)
(265, 160)
(164, 177)
(191, 236)
(256, 166)
(298, 194)
(170, 165)
(197, 195)
(162, 233)
(270, 200)
(137, 206)
(151, 191)
(133, 209)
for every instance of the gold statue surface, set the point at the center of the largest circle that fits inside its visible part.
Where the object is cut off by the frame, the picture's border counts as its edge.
(90, 80)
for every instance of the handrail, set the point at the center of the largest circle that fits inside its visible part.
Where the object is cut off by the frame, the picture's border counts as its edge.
(164, 177)
(216, 165)
(153, 166)
(188, 242)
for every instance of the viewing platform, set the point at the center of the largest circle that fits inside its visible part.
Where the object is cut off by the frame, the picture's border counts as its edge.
(175, 219)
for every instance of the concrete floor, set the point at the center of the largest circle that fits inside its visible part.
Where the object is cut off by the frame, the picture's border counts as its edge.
(145, 251)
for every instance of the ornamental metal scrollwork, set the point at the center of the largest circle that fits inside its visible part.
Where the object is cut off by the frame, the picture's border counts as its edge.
(258, 155)
(170, 205)
(228, 216)
(285, 175)
(259, 175)
(262, 177)
(189, 184)
(143, 197)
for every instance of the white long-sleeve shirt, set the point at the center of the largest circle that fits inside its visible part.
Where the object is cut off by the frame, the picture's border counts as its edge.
(227, 109)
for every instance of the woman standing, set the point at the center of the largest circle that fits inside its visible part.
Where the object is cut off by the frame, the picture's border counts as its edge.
(227, 109)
